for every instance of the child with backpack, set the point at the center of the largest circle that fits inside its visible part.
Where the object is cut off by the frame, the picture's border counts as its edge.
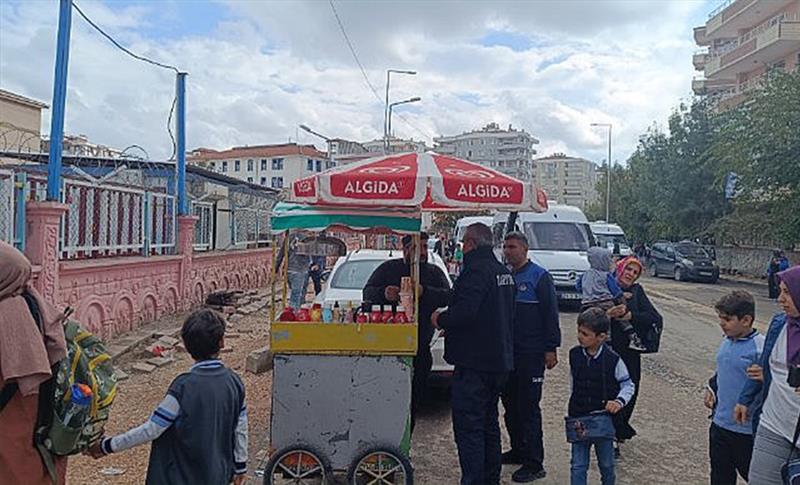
(199, 429)
(601, 387)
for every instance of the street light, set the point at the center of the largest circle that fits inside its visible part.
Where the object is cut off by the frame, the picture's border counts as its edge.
(327, 141)
(608, 169)
(391, 106)
(389, 72)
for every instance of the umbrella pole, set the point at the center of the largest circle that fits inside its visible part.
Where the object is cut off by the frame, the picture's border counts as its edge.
(512, 220)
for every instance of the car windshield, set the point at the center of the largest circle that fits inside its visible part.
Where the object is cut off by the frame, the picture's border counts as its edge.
(353, 275)
(558, 236)
(691, 251)
(608, 240)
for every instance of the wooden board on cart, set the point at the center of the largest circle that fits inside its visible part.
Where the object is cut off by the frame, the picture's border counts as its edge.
(334, 338)
(341, 405)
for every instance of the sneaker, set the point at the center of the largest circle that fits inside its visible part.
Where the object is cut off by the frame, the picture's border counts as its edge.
(636, 343)
(511, 458)
(528, 474)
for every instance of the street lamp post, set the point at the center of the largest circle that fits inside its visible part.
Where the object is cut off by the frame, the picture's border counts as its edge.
(391, 106)
(389, 72)
(327, 140)
(608, 169)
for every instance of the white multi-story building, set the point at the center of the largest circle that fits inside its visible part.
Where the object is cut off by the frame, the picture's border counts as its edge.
(509, 151)
(275, 166)
(568, 180)
(396, 145)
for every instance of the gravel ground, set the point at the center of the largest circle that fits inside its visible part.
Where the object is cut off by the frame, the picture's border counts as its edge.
(139, 394)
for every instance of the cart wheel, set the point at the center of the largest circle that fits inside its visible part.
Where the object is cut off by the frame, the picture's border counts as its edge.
(380, 466)
(298, 465)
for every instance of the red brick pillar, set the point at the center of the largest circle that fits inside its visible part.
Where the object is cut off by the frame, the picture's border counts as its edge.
(43, 220)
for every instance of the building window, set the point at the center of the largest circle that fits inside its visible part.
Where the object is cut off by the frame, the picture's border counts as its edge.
(277, 164)
(213, 166)
(263, 179)
(329, 164)
(309, 165)
(250, 165)
(237, 166)
(224, 165)
(277, 182)
(263, 164)
(249, 180)
(319, 165)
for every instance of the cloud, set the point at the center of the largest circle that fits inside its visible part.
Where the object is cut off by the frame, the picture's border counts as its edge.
(258, 69)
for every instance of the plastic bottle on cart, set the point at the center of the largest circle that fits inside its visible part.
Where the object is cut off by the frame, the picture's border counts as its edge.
(287, 315)
(316, 312)
(327, 313)
(336, 313)
(387, 316)
(363, 314)
(304, 314)
(349, 316)
(376, 315)
(400, 315)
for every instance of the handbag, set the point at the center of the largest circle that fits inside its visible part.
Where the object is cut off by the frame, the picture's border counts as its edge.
(790, 471)
(597, 425)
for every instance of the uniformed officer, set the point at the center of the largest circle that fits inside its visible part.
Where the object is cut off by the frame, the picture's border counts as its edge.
(479, 343)
(536, 337)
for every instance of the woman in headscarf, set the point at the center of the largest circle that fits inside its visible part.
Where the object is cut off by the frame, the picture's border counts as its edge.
(26, 356)
(643, 316)
(768, 397)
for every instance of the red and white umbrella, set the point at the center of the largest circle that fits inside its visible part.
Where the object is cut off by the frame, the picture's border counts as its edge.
(427, 180)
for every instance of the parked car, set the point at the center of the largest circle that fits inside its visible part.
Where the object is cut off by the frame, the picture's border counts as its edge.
(683, 261)
(348, 278)
(558, 239)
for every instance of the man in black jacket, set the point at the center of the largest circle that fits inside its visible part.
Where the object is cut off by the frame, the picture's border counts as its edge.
(479, 343)
(383, 288)
(536, 337)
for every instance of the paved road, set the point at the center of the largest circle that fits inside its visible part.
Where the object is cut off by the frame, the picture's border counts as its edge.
(672, 423)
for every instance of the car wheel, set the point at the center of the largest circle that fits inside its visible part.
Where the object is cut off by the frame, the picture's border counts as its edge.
(679, 274)
(653, 270)
(715, 280)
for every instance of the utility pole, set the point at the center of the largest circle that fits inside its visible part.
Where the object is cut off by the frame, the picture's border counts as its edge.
(608, 170)
(59, 101)
(389, 72)
(180, 134)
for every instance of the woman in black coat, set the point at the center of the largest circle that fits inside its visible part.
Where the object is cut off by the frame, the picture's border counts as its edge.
(647, 323)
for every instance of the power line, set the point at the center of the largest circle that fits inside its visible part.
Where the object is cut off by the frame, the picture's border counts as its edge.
(120, 46)
(364, 71)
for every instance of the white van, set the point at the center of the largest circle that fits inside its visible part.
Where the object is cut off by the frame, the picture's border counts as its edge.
(464, 222)
(609, 235)
(558, 239)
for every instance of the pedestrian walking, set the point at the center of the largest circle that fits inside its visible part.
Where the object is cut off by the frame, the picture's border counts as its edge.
(647, 323)
(771, 397)
(199, 429)
(601, 386)
(383, 288)
(479, 343)
(315, 272)
(536, 337)
(777, 263)
(730, 444)
(28, 350)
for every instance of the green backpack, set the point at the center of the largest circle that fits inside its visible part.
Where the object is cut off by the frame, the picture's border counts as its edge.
(88, 363)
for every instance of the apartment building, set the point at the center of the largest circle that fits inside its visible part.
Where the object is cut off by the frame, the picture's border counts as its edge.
(20, 122)
(568, 180)
(743, 43)
(509, 151)
(396, 145)
(274, 166)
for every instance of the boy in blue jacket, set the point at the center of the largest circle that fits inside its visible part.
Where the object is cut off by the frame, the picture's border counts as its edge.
(731, 443)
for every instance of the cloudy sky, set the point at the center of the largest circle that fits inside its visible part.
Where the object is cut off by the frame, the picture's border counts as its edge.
(257, 69)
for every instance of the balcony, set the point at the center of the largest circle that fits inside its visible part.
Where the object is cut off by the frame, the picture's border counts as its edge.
(710, 86)
(773, 39)
(699, 60)
(700, 36)
(735, 15)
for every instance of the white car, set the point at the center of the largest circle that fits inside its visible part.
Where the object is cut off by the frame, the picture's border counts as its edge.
(349, 276)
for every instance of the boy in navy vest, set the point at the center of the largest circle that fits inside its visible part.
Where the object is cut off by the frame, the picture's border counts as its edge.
(600, 382)
(199, 430)
(730, 444)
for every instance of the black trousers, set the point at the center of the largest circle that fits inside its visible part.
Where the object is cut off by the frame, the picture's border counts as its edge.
(523, 416)
(633, 361)
(423, 362)
(475, 424)
(730, 453)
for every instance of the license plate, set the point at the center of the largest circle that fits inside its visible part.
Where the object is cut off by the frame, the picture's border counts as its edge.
(570, 296)
(705, 273)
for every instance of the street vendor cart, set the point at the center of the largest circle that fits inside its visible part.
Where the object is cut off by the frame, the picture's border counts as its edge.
(341, 391)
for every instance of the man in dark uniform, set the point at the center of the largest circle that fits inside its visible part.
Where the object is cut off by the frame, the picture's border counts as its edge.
(536, 337)
(383, 288)
(479, 343)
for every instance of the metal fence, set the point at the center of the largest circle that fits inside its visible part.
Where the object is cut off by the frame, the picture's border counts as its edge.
(204, 227)
(250, 226)
(7, 206)
(161, 212)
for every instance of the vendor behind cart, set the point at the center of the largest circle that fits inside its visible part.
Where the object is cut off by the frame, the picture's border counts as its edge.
(383, 288)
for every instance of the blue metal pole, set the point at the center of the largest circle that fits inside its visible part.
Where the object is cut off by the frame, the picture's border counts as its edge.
(180, 121)
(59, 100)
